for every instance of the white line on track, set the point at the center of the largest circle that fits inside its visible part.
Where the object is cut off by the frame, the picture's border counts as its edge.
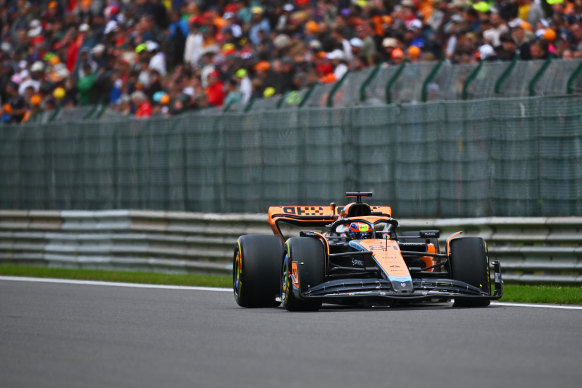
(547, 306)
(186, 288)
(111, 284)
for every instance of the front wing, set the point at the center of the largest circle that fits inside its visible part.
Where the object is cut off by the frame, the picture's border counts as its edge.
(382, 290)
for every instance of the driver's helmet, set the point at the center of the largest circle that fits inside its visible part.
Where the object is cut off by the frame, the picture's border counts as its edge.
(359, 231)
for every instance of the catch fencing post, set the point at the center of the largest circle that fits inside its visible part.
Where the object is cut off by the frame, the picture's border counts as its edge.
(392, 81)
(504, 75)
(537, 76)
(429, 78)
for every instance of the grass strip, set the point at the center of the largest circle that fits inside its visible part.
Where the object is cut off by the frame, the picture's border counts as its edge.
(557, 294)
(118, 276)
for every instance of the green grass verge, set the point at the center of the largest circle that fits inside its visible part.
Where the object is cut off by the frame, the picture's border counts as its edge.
(118, 276)
(542, 294)
(512, 292)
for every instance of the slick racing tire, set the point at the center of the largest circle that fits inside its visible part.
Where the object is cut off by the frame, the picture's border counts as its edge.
(256, 268)
(303, 267)
(470, 264)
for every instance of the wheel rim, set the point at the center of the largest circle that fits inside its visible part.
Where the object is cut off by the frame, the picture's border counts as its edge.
(236, 275)
(285, 281)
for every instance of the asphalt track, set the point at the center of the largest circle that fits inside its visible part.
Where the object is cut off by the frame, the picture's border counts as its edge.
(79, 335)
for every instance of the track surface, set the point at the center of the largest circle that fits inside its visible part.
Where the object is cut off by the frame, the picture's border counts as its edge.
(69, 335)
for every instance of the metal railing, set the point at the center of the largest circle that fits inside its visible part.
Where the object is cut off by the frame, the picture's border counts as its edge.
(531, 250)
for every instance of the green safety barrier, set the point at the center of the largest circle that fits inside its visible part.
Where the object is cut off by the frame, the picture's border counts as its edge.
(475, 158)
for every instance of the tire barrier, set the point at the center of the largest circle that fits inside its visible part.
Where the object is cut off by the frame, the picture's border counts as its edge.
(531, 250)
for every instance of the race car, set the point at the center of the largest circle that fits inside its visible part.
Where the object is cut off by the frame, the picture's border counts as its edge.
(354, 255)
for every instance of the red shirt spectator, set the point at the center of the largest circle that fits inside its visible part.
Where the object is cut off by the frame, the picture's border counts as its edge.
(73, 53)
(144, 109)
(142, 104)
(215, 90)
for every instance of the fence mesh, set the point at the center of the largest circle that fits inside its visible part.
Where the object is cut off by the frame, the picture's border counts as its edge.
(449, 81)
(376, 91)
(408, 86)
(490, 157)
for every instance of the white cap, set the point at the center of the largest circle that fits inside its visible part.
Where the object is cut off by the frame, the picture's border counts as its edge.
(281, 41)
(486, 51)
(335, 54)
(151, 45)
(315, 44)
(84, 27)
(356, 42)
(99, 48)
(456, 18)
(61, 71)
(37, 66)
(34, 32)
(390, 42)
(111, 26)
(415, 24)
(515, 23)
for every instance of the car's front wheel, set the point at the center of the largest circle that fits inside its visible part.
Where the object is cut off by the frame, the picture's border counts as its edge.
(469, 263)
(303, 268)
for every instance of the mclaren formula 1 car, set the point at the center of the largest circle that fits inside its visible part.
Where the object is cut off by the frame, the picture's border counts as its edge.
(354, 255)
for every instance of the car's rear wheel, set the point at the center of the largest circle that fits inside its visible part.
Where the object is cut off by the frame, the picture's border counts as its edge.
(469, 263)
(303, 268)
(256, 267)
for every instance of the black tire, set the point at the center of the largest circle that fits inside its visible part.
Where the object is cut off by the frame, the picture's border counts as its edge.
(470, 264)
(255, 271)
(309, 257)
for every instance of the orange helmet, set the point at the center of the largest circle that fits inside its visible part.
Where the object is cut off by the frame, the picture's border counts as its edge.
(397, 53)
(35, 100)
(312, 27)
(549, 35)
(414, 51)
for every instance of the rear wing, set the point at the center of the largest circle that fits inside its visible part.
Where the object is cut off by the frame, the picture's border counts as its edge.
(318, 216)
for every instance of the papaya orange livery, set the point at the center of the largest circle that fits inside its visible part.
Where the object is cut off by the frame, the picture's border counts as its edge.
(387, 254)
(355, 255)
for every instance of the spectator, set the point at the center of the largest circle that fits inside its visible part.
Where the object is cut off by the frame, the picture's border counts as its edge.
(85, 62)
(157, 58)
(233, 94)
(258, 24)
(85, 85)
(104, 51)
(521, 34)
(177, 34)
(193, 45)
(246, 87)
(143, 107)
(215, 90)
(495, 29)
(16, 102)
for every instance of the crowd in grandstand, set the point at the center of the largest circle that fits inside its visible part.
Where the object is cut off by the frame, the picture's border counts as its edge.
(164, 57)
